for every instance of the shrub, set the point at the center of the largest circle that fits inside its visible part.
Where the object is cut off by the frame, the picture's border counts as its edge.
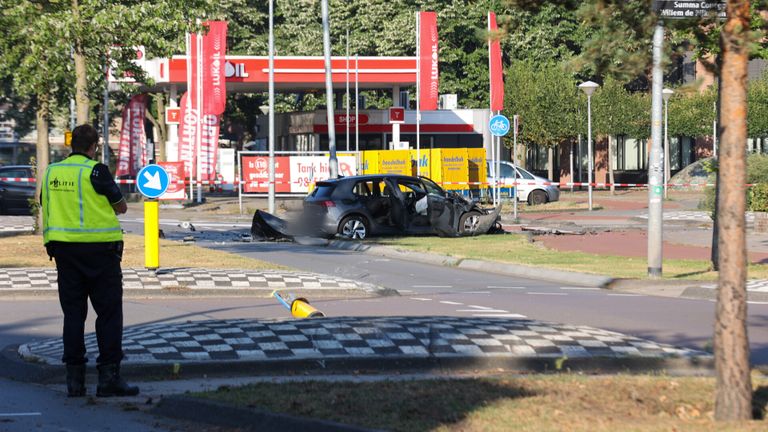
(758, 197)
(757, 174)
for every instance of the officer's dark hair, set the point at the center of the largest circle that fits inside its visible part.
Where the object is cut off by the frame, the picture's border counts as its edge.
(83, 137)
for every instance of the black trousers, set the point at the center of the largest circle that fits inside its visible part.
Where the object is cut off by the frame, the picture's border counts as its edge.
(90, 270)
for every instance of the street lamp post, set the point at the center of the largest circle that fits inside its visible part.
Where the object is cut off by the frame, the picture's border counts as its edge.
(666, 94)
(589, 87)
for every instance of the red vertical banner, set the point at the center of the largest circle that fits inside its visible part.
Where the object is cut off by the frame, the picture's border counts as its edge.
(494, 63)
(133, 140)
(214, 49)
(187, 133)
(209, 147)
(428, 72)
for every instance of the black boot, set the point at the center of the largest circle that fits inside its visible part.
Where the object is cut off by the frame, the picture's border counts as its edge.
(111, 384)
(76, 380)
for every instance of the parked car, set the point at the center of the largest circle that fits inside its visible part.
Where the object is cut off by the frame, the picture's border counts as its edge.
(360, 206)
(531, 188)
(14, 194)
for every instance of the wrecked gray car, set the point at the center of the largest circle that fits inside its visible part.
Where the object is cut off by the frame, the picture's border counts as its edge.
(382, 204)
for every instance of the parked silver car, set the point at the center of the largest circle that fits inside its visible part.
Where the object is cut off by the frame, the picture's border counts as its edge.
(531, 188)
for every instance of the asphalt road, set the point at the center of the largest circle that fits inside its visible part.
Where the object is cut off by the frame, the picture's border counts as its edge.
(436, 290)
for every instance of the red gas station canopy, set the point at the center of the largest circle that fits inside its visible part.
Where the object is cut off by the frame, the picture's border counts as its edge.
(251, 74)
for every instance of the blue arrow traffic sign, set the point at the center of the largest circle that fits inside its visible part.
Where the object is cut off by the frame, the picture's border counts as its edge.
(499, 125)
(152, 181)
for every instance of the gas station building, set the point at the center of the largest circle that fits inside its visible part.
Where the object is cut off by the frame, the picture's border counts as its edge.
(308, 131)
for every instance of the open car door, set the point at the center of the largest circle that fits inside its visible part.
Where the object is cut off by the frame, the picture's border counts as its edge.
(397, 211)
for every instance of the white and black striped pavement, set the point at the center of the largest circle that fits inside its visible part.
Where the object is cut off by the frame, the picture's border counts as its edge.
(15, 225)
(21, 280)
(355, 338)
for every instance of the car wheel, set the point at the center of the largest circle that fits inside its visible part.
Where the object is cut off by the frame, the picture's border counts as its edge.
(354, 227)
(469, 222)
(537, 197)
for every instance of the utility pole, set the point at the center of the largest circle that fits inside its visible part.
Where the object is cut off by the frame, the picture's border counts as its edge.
(271, 186)
(656, 161)
(333, 163)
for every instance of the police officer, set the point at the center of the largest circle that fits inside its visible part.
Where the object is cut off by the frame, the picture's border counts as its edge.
(81, 232)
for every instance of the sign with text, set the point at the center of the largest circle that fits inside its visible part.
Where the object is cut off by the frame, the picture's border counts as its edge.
(689, 9)
(293, 174)
(176, 175)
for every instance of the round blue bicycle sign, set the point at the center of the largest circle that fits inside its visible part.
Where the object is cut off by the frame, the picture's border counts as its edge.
(499, 125)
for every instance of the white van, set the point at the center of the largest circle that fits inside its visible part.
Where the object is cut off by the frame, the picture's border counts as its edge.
(531, 188)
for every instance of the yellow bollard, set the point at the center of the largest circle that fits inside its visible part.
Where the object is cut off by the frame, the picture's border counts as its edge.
(300, 308)
(151, 234)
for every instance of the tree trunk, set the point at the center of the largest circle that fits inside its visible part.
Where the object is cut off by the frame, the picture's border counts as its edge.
(715, 225)
(733, 397)
(161, 129)
(550, 163)
(610, 164)
(81, 74)
(42, 156)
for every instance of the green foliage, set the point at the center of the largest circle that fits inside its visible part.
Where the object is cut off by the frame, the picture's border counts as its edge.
(692, 113)
(757, 174)
(546, 98)
(615, 111)
(758, 197)
(757, 108)
(757, 168)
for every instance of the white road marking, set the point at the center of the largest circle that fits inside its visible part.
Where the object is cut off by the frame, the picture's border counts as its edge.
(420, 299)
(407, 291)
(451, 303)
(499, 316)
(625, 295)
(579, 289)
(26, 414)
(476, 292)
(480, 307)
(505, 287)
(431, 286)
(484, 310)
(548, 293)
(757, 302)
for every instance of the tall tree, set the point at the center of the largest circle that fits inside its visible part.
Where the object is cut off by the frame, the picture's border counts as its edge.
(733, 397)
(618, 112)
(546, 98)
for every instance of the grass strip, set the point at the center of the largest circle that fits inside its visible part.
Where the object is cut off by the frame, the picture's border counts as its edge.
(516, 249)
(566, 402)
(28, 251)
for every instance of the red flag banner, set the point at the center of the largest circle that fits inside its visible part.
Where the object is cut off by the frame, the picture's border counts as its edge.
(214, 50)
(428, 72)
(133, 141)
(188, 131)
(210, 147)
(496, 74)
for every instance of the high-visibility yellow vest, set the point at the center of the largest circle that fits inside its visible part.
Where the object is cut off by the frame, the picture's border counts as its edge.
(72, 210)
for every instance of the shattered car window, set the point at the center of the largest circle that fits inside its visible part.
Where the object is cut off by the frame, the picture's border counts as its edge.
(432, 187)
(362, 189)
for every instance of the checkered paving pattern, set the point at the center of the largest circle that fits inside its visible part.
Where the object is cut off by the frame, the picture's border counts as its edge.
(364, 337)
(696, 216)
(16, 224)
(13, 279)
(755, 285)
